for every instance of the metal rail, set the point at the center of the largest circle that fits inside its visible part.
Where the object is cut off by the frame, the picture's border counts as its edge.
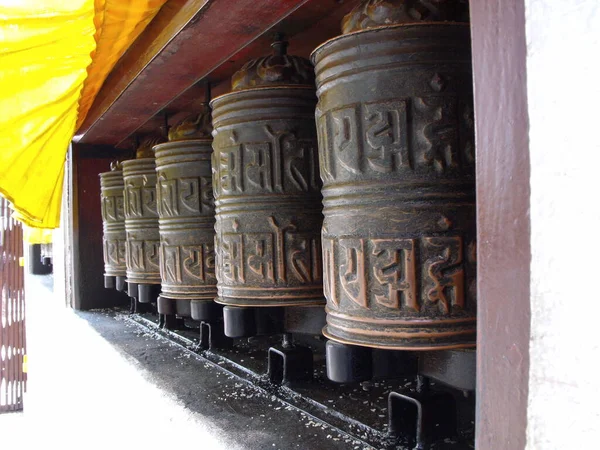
(13, 377)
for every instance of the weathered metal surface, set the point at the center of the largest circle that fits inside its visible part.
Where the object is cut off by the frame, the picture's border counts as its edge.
(113, 222)
(142, 252)
(13, 376)
(395, 122)
(267, 194)
(186, 212)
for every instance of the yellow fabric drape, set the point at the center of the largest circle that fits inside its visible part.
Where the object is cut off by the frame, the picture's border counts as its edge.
(54, 57)
(37, 235)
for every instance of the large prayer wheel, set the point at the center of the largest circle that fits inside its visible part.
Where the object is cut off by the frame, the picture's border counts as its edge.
(267, 188)
(186, 216)
(113, 226)
(141, 222)
(396, 153)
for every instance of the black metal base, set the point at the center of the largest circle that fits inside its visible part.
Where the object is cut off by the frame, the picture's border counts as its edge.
(132, 289)
(109, 282)
(212, 336)
(166, 306)
(290, 363)
(182, 308)
(454, 368)
(206, 311)
(247, 322)
(351, 363)
(121, 284)
(148, 293)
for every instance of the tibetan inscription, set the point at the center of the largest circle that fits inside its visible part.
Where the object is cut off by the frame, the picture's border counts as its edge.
(377, 138)
(383, 272)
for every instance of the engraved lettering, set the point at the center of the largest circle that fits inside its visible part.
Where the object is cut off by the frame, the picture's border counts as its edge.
(445, 272)
(149, 199)
(153, 255)
(136, 255)
(194, 263)
(387, 135)
(231, 170)
(395, 272)
(438, 124)
(133, 200)
(167, 197)
(326, 159)
(120, 207)
(329, 278)
(259, 166)
(190, 194)
(260, 255)
(352, 271)
(170, 264)
(233, 258)
(305, 257)
(346, 142)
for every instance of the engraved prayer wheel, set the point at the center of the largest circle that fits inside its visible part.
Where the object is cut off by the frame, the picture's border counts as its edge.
(186, 214)
(266, 184)
(113, 226)
(396, 154)
(141, 222)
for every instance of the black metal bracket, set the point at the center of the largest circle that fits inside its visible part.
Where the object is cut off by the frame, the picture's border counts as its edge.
(423, 417)
(212, 336)
(171, 322)
(289, 363)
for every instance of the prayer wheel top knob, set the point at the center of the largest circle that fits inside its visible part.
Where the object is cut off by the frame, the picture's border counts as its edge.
(144, 149)
(277, 69)
(379, 13)
(195, 126)
(116, 165)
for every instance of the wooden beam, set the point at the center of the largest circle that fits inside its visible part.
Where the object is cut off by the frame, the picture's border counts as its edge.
(184, 43)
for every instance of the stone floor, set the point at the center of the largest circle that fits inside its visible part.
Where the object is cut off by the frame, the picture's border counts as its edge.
(98, 382)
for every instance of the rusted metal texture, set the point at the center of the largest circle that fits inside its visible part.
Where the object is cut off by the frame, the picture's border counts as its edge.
(13, 376)
(396, 153)
(141, 217)
(267, 188)
(113, 222)
(186, 212)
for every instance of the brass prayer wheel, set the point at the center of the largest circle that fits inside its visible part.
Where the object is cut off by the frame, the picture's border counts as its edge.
(113, 226)
(186, 213)
(141, 221)
(266, 184)
(396, 154)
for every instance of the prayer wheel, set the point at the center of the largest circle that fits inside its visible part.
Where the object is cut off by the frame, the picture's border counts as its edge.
(142, 252)
(113, 226)
(186, 214)
(396, 154)
(266, 184)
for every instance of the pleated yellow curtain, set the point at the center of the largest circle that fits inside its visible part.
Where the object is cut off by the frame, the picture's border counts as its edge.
(54, 57)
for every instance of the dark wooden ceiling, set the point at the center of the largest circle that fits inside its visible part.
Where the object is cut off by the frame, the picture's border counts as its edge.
(189, 43)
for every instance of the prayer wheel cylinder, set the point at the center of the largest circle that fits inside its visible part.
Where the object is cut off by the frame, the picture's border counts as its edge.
(141, 222)
(396, 154)
(186, 213)
(113, 223)
(266, 184)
